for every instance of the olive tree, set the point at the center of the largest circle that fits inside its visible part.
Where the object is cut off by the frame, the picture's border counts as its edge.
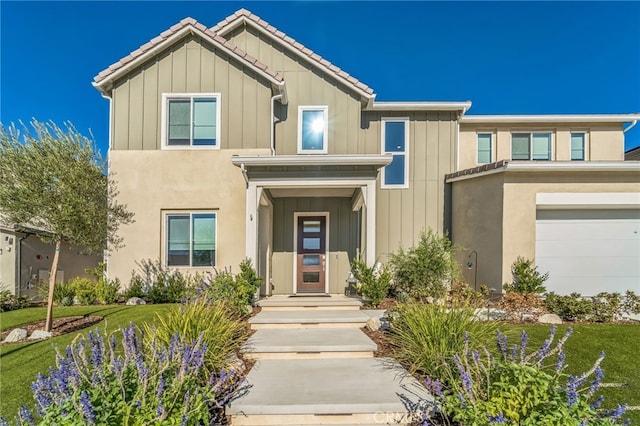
(54, 179)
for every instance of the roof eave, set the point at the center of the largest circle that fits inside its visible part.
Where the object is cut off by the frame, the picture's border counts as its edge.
(551, 118)
(569, 166)
(421, 106)
(313, 160)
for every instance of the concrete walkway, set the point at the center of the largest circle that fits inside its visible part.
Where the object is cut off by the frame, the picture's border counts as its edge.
(310, 371)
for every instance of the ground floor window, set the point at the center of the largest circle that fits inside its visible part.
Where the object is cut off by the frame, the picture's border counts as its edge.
(191, 239)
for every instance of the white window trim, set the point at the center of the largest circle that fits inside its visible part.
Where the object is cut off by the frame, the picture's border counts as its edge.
(165, 237)
(325, 139)
(531, 132)
(165, 119)
(404, 120)
(491, 146)
(296, 215)
(586, 144)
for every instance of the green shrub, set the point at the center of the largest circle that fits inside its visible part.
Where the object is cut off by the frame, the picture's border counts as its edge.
(135, 289)
(107, 291)
(158, 283)
(426, 270)
(520, 388)
(84, 290)
(570, 308)
(526, 278)
(11, 302)
(219, 328)
(606, 307)
(631, 303)
(236, 291)
(374, 282)
(426, 336)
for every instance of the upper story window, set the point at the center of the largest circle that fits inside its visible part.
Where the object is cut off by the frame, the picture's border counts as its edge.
(313, 126)
(578, 146)
(484, 148)
(191, 120)
(531, 146)
(395, 141)
(191, 239)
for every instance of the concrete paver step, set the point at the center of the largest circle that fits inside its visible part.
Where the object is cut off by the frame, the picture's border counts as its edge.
(309, 343)
(333, 302)
(313, 318)
(316, 391)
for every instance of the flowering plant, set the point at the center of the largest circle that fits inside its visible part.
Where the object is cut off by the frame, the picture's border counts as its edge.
(128, 384)
(517, 388)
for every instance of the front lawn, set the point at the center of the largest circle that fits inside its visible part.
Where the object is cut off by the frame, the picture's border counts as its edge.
(19, 363)
(621, 364)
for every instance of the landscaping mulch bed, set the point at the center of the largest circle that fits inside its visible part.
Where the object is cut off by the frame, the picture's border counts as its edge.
(60, 325)
(384, 342)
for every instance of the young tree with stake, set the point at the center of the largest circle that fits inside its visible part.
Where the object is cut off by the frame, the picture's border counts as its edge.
(53, 178)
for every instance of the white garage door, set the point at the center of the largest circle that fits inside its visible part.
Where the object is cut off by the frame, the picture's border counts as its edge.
(589, 251)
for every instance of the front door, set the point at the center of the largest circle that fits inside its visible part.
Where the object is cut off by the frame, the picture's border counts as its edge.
(311, 257)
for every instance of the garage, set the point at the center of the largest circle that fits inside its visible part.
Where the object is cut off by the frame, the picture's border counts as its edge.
(589, 250)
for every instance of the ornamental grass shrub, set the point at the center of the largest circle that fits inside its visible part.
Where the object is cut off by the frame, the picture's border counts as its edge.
(120, 381)
(426, 336)
(520, 388)
(200, 319)
(235, 291)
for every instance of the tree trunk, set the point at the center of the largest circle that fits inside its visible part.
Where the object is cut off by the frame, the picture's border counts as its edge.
(48, 325)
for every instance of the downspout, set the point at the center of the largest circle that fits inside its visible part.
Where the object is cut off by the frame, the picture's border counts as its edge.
(273, 125)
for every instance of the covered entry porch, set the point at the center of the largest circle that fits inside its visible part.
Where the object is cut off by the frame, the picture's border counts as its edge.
(307, 217)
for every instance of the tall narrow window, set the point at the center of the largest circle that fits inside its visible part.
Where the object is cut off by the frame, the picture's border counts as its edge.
(395, 141)
(191, 120)
(531, 146)
(312, 129)
(191, 239)
(484, 148)
(577, 146)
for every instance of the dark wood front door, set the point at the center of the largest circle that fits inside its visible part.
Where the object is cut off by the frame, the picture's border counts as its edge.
(311, 258)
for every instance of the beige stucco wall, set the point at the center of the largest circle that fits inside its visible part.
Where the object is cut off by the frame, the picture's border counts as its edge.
(191, 66)
(518, 220)
(152, 183)
(605, 142)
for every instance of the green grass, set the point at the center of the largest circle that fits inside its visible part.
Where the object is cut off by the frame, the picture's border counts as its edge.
(621, 363)
(19, 363)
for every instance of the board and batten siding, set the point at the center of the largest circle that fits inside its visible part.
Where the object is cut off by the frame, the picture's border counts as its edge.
(191, 66)
(343, 239)
(306, 86)
(402, 214)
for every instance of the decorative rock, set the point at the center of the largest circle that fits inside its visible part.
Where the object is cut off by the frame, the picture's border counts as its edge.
(16, 335)
(40, 334)
(374, 324)
(549, 319)
(248, 309)
(490, 314)
(136, 301)
(237, 364)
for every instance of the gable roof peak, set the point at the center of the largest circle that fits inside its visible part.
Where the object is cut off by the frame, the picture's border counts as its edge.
(244, 16)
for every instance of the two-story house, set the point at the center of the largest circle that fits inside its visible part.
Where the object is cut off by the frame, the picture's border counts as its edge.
(237, 141)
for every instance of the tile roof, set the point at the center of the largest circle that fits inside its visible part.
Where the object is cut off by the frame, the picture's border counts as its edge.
(213, 37)
(243, 15)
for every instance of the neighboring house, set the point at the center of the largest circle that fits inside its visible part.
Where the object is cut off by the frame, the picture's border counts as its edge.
(25, 261)
(236, 140)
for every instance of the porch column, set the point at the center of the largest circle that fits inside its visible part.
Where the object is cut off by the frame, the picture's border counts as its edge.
(251, 241)
(370, 202)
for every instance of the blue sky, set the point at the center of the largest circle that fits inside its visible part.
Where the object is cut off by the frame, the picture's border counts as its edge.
(506, 57)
